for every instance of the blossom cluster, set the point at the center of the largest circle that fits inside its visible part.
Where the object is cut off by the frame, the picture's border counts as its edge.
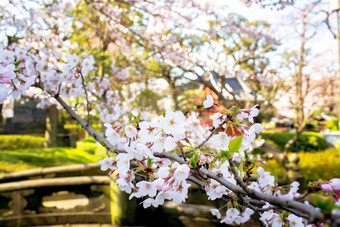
(141, 141)
(142, 169)
(20, 68)
(18, 71)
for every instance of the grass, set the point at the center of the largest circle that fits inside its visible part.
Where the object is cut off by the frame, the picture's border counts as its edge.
(13, 142)
(32, 158)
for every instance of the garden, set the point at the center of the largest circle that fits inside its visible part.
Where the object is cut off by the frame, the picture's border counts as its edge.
(190, 112)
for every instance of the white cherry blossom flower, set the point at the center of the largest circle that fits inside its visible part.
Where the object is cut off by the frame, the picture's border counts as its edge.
(170, 144)
(267, 216)
(148, 131)
(217, 118)
(7, 74)
(232, 214)
(148, 202)
(106, 164)
(253, 113)
(162, 172)
(295, 221)
(277, 221)
(173, 121)
(220, 141)
(255, 128)
(6, 56)
(159, 200)
(242, 115)
(246, 215)
(124, 183)
(87, 65)
(123, 163)
(181, 193)
(130, 131)
(146, 188)
(158, 146)
(209, 102)
(181, 173)
(216, 213)
(73, 60)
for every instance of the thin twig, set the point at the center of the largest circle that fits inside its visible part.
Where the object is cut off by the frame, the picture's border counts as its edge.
(255, 208)
(183, 154)
(206, 140)
(244, 186)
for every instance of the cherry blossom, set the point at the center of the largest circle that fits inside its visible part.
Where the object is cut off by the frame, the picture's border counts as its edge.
(209, 102)
(106, 164)
(295, 221)
(167, 151)
(220, 141)
(146, 188)
(215, 212)
(172, 122)
(130, 131)
(217, 118)
(181, 173)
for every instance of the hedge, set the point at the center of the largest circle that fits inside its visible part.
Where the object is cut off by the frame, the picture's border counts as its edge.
(316, 166)
(13, 142)
(308, 141)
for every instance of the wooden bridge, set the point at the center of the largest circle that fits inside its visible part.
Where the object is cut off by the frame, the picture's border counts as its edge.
(82, 195)
(62, 195)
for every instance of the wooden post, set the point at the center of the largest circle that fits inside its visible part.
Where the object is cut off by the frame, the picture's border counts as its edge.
(51, 126)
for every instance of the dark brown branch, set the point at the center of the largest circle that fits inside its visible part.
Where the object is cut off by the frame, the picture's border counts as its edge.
(87, 99)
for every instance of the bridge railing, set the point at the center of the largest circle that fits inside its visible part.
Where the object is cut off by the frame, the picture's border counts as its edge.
(62, 195)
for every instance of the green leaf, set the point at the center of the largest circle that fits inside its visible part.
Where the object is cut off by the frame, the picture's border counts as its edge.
(246, 155)
(235, 144)
(138, 117)
(18, 62)
(193, 163)
(235, 111)
(149, 163)
(225, 155)
(194, 159)
(324, 203)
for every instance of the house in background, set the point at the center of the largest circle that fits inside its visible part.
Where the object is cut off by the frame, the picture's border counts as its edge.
(233, 89)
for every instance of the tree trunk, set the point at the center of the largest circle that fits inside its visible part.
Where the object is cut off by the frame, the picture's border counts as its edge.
(51, 126)
(292, 140)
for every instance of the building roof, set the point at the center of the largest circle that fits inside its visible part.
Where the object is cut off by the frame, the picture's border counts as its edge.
(232, 87)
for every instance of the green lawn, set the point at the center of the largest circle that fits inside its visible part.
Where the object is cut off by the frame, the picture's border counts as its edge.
(23, 159)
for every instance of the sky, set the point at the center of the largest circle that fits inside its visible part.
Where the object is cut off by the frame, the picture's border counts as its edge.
(324, 42)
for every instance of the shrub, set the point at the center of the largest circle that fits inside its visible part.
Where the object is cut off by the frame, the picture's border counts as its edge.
(323, 165)
(315, 166)
(333, 124)
(308, 141)
(13, 142)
